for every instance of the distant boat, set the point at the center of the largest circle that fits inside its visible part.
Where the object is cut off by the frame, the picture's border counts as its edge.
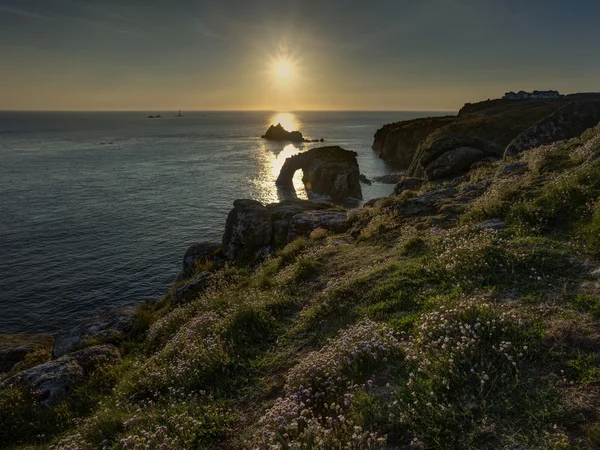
(179, 115)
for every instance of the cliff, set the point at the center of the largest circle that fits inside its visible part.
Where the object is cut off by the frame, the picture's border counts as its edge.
(458, 314)
(496, 122)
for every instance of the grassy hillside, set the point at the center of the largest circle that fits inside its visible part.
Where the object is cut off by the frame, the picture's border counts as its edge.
(417, 329)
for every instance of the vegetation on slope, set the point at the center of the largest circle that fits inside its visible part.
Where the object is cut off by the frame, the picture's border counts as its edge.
(409, 332)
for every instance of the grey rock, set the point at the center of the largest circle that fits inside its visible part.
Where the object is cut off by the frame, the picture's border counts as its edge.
(54, 380)
(248, 229)
(197, 254)
(516, 168)
(363, 179)
(567, 122)
(453, 162)
(408, 184)
(426, 204)
(332, 220)
(371, 203)
(330, 171)
(191, 290)
(492, 224)
(15, 347)
(282, 213)
(391, 178)
(91, 358)
(109, 326)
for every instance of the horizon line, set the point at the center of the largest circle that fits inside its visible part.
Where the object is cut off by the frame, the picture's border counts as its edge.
(228, 110)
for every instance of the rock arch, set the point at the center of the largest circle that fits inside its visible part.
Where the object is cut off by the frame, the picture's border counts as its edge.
(327, 170)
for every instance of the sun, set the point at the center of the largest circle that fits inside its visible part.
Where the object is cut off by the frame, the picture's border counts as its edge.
(283, 69)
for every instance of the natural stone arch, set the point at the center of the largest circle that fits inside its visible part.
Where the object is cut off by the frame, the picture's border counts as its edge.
(326, 170)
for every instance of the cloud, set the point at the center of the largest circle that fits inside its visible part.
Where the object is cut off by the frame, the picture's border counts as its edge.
(22, 12)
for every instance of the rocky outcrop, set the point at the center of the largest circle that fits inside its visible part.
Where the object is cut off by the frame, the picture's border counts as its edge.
(278, 133)
(304, 224)
(567, 122)
(196, 255)
(330, 171)
(109, 326)
(450, 156)
(408, 184)
(56, 380)
(191, 290)
(15, 347)
(398, 142)
(252, 226)
(391, 178)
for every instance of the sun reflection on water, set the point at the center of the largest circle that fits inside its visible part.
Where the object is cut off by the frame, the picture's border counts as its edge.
(271, 164)
(287, 120)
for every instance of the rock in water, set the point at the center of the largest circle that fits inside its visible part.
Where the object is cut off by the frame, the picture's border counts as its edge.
(568, 122)
(278, 133)
(15, 347)
(327, 170)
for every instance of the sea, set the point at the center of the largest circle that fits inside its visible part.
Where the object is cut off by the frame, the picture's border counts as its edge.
(97, 209)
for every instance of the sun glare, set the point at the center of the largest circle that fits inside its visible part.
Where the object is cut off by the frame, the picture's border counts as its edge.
(283, 69)
(287, 120)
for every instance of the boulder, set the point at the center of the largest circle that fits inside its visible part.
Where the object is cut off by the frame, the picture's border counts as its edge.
(450, 156)
(567, 122)
(190, 290)
(453, 162)
(516, 168)
(363, 179)
(303, 224)
(330, 171)
(198, 254)
(426, 204)
(492, 224)
(278, 133)
(109, 326)
(15, 347)
(282, 213)
(247, 230)
(54, 380)
(91, 358)
(408, 184)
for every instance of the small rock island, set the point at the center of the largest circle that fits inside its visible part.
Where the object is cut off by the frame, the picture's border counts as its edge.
(280, 134)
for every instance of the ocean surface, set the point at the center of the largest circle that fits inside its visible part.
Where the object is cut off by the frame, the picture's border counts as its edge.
(97, 209)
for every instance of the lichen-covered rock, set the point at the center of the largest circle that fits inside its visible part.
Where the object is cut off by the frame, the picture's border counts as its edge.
(248, 229)
(516, 168)
(567, 122)
(408, 184)
(390, 178)
(426, 204)
(198, 254)
(332, 220)
(450, 156)
(54, 380)
(15, 347)
(282, 213)
(492, 224)
(453, 162)
(109, 326)
(330, 171)
(91, 358)
(190, 290)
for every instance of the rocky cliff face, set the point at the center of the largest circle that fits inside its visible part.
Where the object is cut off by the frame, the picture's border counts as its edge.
(330, 171)
(568, 122)
(398, 142)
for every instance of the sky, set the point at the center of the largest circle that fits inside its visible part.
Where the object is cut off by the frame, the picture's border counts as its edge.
(420, 55)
